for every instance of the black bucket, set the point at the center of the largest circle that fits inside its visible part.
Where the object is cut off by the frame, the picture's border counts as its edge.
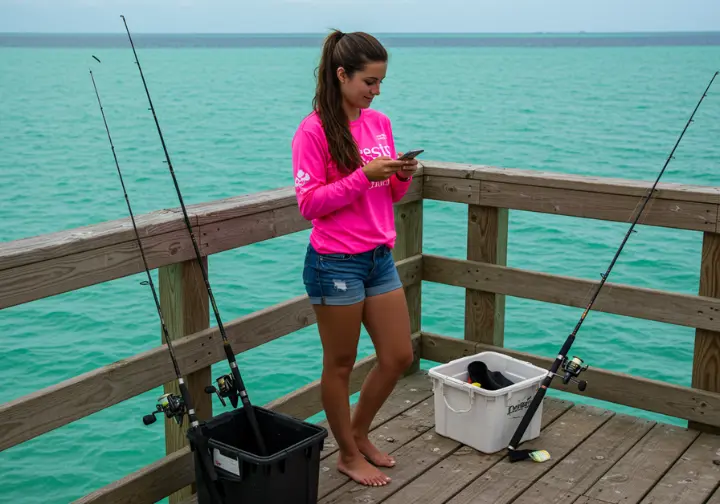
(287, 474)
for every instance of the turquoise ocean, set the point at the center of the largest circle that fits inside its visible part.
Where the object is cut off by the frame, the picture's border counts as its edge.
(228, 106)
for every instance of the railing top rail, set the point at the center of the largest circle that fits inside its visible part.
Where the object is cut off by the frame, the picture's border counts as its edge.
(53, 245)
(556, 180)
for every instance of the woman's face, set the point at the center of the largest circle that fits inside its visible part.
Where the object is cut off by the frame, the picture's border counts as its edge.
(360, 89)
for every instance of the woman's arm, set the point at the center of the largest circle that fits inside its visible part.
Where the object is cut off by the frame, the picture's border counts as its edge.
(316, 198)
(399, 187)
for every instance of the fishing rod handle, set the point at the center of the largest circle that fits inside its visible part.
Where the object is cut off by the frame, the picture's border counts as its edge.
(529, 414)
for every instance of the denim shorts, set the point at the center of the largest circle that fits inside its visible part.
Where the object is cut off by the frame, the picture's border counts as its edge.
(343, 279)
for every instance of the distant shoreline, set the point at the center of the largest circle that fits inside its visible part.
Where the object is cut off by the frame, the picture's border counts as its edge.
(240, 40)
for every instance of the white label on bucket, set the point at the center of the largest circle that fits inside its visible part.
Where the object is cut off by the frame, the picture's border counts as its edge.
(227, 463)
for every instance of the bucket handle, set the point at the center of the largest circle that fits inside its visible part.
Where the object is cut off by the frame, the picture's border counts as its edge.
(470, 394)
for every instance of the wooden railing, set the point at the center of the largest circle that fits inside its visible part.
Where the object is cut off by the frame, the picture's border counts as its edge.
(48, 265)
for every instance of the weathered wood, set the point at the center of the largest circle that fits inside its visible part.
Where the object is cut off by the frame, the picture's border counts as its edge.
(619, 388)
(306, 401)
(244, 230)
(83, 239)
(671, 213)
(409, 227)
(640, 469)
(95, 390)
(506, 480)
(694, 476)
(409, 392)
(208, 212)
(587, 463)
(148, 485)
(186, 310)
(451, 189)
(412, 460)
(26, 283)
(672, 308)
(465, 464)
(390, 437)
(619, 208)
(105, 234)
(715, 498)
(486, 243)
(706, 359)
(557, 180)
(587, 500)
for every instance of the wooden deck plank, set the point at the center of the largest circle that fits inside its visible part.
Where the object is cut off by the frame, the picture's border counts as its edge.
(389, 437)
(693, 478)
(451, 475)
(585, 465)
(409, 392)
(505, 481)
(583, 499)
(715, 498)
(413, 459)
(639, 470)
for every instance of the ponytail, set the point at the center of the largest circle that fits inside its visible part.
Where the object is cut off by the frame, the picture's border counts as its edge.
(350, 51)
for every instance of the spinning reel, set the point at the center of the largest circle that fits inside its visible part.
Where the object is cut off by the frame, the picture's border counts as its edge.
(573, 368)
(225, 388)
(171, 405)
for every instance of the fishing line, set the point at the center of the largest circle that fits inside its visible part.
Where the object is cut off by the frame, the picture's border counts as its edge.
(227, 386)
(573, 367)
(171, 405)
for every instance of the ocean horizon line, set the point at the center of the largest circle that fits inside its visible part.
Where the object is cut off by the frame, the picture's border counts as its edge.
(396, 39)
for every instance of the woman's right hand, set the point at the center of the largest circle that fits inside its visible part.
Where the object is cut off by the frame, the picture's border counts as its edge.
(382, 168)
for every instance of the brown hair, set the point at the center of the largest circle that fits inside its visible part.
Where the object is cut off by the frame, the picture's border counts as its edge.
(352, 51)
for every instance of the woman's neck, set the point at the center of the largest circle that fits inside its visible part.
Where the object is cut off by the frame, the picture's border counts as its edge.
(351, 111)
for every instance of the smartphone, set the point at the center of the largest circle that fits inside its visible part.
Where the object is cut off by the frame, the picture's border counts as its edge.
(411, 154)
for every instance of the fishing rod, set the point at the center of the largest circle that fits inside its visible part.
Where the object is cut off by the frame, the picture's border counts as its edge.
(228, 386)
(170, 404)
(573, 367)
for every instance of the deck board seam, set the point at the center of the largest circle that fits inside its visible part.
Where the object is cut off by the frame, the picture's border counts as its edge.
(409, 407)
(620, 459)
(490, 467)
(580, 441)
(349, 481)
(672, 464)
(460, 445)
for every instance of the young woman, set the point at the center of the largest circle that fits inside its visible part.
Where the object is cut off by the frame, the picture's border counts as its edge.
(347, 178)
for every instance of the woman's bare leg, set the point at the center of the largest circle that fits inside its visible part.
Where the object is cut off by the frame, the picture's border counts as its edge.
(387, 321)
(339, 328)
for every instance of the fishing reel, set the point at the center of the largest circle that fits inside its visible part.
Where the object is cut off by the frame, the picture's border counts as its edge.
(573, 368)
(169, 404)
(225, 388)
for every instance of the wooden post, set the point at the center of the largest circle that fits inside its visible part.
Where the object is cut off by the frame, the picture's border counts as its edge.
(409, 226)
(186, 307)
(486, 242)
(706, 360)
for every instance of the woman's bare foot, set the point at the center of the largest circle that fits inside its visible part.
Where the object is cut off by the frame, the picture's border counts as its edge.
(372, 453)
(360, 470)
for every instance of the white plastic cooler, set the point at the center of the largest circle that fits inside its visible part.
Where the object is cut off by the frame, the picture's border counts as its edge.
(485, 419)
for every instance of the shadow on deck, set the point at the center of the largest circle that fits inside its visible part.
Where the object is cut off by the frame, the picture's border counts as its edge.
(597, 457)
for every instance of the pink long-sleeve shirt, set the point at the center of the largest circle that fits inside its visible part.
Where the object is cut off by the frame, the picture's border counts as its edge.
(349, 213)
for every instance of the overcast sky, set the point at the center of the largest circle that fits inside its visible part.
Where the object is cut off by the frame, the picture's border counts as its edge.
(292, 16)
